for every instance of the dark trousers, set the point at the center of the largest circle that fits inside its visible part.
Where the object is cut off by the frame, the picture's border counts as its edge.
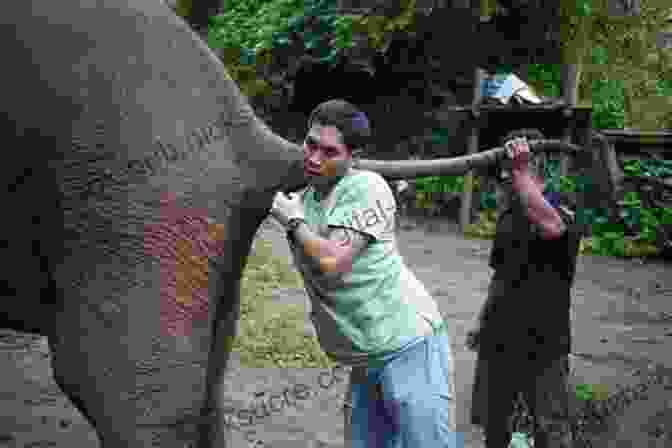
(498, 381)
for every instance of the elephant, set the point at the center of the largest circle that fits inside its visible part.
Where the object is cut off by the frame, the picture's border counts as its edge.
(133, 216)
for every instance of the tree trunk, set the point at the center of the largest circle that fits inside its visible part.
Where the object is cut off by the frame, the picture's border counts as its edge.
(472, 148)
(571, 74)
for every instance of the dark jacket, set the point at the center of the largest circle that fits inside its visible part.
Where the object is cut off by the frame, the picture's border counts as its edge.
(528, 308)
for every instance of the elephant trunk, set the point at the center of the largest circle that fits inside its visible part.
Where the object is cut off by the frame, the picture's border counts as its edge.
(275, 163)
(410, 169)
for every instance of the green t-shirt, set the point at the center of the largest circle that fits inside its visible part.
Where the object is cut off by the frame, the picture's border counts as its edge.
(380, 305)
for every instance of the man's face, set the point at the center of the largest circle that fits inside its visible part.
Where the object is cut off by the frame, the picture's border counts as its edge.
(325, 157)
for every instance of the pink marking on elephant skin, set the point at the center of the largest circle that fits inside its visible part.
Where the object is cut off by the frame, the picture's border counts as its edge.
(183, 243)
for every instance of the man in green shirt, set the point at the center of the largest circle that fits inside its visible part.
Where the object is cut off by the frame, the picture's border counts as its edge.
(369, 310)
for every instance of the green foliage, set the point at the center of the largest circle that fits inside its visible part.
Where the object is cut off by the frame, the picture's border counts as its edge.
(251, 25)
(664, 87)
(255, 26)
(379, 28)
(609, 238)
(248, 32)
(608, 97)
(623, 73)
(584, 8)
(624, 49)
(648, 167)
(432, 189)
(343, 31)
(587, 392)
(440, 184)
(546, 78)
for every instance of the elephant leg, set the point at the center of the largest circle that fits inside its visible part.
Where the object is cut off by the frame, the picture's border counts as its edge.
(134, 331)
(215, 432)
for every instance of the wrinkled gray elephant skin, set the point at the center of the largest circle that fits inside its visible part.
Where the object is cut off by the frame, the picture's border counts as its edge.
(135, 178)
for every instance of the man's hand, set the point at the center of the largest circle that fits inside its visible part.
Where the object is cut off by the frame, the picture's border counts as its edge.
(518, 151)
(286, 207)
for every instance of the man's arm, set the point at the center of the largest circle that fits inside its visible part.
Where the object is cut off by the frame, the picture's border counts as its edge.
(540, 213)
(332, 255)
(537, 209)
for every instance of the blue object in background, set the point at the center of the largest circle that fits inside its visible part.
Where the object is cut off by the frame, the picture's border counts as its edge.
(503, 86)
(491, 84)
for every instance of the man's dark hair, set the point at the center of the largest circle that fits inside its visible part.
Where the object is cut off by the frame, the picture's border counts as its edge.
(350, 121)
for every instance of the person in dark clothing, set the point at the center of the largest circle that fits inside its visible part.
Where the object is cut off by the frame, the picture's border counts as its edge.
(523, 329)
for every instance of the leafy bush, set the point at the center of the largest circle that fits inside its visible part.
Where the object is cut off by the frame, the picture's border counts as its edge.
(248, 30)
(547, 78)
(648, 167)
(607, 95)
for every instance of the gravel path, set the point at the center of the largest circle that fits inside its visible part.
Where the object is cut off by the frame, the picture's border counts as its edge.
(622, 321)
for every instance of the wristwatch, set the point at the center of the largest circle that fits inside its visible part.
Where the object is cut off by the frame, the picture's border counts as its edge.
(293, 223)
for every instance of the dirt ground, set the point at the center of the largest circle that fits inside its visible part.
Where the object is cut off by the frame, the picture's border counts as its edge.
(622, 323)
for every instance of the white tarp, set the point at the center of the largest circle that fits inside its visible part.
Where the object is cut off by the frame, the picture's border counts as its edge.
(504, 86)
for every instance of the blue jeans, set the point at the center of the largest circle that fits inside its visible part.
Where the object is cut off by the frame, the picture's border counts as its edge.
(406, 402)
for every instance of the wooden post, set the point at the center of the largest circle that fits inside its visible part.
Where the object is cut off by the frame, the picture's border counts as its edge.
(570, 93)
(472, 148)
